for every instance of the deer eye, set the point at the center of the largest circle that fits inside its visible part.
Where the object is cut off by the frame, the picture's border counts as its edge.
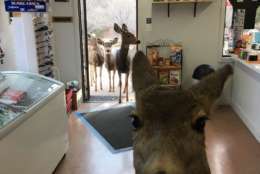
(136, 122)
(200, 123)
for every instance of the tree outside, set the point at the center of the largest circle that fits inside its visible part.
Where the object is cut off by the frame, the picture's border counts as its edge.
(102, 14)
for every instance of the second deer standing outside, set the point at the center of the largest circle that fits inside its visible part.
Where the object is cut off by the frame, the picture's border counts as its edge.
(122, 58)
(110, 61)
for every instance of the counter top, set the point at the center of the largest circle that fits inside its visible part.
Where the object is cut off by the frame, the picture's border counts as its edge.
(253, 65)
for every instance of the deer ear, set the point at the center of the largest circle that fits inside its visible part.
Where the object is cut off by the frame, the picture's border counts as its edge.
(117, 28)
(124, 27)
(210, 88)
(143, 74)
(100, 41)
(115, 41)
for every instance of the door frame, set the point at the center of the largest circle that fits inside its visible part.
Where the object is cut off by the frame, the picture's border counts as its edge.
(85, 80)
(84, 68)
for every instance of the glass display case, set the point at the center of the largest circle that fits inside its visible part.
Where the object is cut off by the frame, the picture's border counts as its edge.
(19, 92)
(33, 120)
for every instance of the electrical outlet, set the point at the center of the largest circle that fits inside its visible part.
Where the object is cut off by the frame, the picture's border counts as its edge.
(148, 20)
(148, 24)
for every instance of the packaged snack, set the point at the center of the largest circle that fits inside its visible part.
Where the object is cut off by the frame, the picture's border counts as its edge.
(176, 53)
(175, 77)
(164, 77)
(153, 55)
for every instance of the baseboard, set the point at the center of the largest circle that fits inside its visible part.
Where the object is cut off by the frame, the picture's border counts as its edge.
(246, 121)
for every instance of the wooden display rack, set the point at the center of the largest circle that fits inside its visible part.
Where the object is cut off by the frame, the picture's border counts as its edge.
(169, 72)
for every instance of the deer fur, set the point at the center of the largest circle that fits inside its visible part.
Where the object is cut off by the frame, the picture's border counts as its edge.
(122, 58)
(96, 59)
(110, 61)
(169, 135)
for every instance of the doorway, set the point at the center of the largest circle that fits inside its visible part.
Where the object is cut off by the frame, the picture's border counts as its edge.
(97, 18)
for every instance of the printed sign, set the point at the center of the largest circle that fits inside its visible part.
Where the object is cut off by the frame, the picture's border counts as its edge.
(25, 6)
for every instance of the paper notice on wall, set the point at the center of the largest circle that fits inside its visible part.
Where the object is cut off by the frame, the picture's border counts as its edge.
(148, 19)
(148, 24)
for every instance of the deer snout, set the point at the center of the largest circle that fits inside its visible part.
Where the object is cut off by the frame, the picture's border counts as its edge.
(138, 42)
(161, 172)
(108, 50)
(161, 164)
(157, 171)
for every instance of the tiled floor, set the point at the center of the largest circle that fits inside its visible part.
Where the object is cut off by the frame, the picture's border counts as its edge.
(230, 146)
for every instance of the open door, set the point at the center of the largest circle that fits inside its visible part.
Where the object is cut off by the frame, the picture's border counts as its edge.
(97, 18)
(82, 11)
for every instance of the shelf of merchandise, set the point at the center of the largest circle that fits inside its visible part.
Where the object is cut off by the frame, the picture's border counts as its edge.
(167, 69)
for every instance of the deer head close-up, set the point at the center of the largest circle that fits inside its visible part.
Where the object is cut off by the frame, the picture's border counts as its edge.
(169, 125)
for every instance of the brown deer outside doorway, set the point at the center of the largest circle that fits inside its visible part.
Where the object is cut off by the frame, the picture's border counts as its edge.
(100, 45)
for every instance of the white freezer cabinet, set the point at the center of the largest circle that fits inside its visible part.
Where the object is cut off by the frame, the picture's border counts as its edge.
(33, 123)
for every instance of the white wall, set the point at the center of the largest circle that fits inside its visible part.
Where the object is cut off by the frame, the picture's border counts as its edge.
(200, 36)
(66, 38)
(18, 41)
(6, 40)
(24, 43)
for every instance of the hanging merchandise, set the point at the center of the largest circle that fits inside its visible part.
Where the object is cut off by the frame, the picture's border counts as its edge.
(250, 8)
(229, 14)
(43, 33)
(2, 55)
(238, 24)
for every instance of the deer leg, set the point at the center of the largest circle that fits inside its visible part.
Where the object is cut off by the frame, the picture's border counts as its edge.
(120, 86)
(126, 86)
(114, 72)
(93, 75)
(100, 77)
(90, 73)
(109, 74)
(126, 81)
(95, 72)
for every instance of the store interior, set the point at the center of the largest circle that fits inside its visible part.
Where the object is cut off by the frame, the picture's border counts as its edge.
(128, 86)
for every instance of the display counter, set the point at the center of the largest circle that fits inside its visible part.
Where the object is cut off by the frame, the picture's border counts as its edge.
(33, 123)
(246, 93)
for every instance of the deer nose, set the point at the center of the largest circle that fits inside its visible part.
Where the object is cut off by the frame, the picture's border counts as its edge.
(138, 42)
(159, 163)
(161, 172)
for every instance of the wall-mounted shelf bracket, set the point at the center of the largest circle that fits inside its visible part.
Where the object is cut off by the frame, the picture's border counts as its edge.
(169, 2)
(169, 10)
(195, 9)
